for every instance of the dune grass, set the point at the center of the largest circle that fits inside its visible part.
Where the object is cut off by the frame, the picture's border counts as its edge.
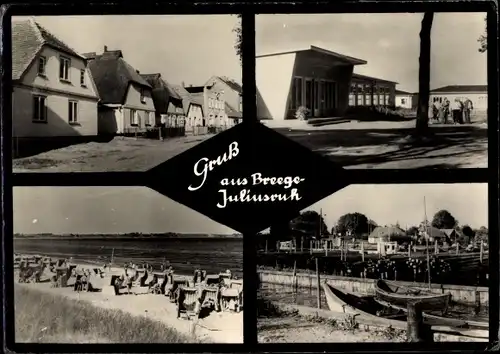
(46, 318)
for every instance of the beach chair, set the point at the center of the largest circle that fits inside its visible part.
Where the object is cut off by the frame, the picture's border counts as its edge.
(231, 299)
(155, 285)
(212, 280)
(211, 298)
(188, 301)
(175, 286)
(225, 278)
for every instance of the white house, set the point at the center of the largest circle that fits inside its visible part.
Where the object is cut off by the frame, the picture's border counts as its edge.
(53, 95)
(404, 99)
(127, 105)
(193, 108)
(478, 94)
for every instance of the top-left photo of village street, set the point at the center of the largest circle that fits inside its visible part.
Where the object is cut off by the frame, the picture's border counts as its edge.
(121, 93)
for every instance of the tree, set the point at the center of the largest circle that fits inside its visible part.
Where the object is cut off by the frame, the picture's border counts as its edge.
(483, 41)
(310, 224)
(412, 231)
(239, 35)
(467, 235)
(444, 220)
(424, 75)
(356, 223)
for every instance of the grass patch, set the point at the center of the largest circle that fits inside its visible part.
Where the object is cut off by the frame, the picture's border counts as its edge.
(35, 163)
(45, 318)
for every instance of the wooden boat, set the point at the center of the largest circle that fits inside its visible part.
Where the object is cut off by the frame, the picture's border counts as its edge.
(395, 294)
(437, 319)
(343, 302)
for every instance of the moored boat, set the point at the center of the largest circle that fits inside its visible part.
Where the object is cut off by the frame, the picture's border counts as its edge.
(344, 302)
(397, 295)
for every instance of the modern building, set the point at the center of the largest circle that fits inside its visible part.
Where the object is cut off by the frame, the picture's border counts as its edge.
(405, 99)
(371, 91)
(126, 105)
(53, 94)
(318, 79)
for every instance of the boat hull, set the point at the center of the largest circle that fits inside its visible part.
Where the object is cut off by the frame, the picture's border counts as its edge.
(394, 294)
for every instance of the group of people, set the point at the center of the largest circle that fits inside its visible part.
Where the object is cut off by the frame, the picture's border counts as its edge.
(459, 110)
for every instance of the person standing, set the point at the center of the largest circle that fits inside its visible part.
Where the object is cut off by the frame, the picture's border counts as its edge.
(456, 110)
(468, 107)
(446, 109)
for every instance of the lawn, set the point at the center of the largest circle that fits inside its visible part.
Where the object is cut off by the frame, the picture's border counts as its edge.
(117, 155)
(41, 317)
(365, 145)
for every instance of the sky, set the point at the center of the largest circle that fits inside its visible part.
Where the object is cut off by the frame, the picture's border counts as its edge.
(189, 48)
(106, 210)
(388, 204)
(390, 43)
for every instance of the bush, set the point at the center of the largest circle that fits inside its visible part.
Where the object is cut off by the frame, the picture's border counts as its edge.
(302, 113)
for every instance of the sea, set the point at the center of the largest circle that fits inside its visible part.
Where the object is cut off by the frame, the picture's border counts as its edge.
(185, 255)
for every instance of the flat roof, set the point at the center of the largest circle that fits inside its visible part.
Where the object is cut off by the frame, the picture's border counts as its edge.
(371, 78)
(461, 89)
(352, 60)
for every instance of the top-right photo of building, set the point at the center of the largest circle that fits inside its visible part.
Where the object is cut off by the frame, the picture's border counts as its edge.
(377, 90)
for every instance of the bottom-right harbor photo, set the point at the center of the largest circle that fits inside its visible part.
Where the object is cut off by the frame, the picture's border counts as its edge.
(378, 263)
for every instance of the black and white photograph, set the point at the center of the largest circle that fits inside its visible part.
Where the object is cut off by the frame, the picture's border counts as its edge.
(378, 263)
(122, 265)
(377, 90)
(121, 93)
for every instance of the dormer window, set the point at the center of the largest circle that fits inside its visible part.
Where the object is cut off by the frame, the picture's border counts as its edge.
(64, 65)
(41, 66)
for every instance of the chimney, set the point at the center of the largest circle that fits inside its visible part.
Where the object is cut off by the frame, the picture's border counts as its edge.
(105, 48)
(183, 85)
(138, 71)
(191, 85)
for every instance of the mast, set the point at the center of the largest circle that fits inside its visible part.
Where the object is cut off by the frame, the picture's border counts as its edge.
(427, 245)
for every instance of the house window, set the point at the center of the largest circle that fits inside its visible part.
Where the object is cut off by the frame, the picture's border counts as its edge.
(134, 118)
(403, 101)
(143, 98)
(82, 78)
(240, 104)
(39, 109)
(72, 111)
(64, 65)
(41, 66)
(387, 99)
(146, 119)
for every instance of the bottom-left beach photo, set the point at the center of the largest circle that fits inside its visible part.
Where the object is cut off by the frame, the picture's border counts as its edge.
(122, 265)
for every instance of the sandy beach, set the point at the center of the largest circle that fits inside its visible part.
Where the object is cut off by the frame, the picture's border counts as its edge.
(221, 327)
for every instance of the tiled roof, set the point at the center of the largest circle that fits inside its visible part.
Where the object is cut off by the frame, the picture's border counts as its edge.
(113, 75)
(461, 88)
(231, 83)
(231, 112)
(28, 38)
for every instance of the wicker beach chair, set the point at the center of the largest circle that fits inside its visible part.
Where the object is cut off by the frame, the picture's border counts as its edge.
(188, 301)
(211, 297)
(212, 280)
(231, 299)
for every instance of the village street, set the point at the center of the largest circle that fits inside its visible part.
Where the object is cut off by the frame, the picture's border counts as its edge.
(383, 144)
(119, 155)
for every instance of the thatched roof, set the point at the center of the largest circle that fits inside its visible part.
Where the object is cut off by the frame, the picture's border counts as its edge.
(113, 75)
(384, 232)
